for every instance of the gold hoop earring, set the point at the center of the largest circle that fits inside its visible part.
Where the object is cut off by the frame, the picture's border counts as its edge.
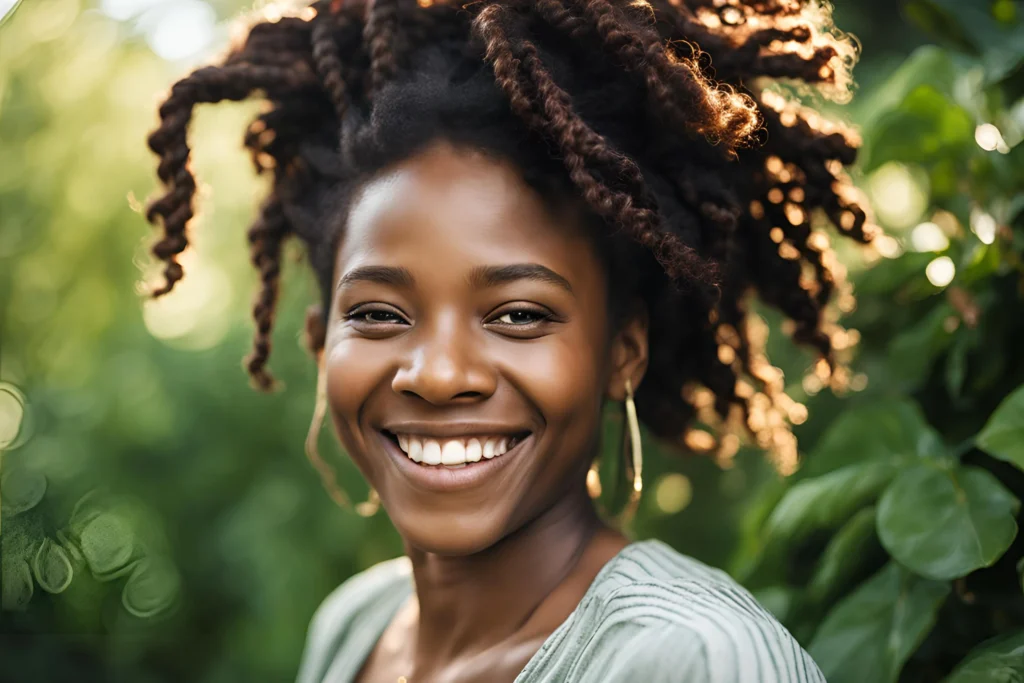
(594, 478)
(636, 460)
(365, 509)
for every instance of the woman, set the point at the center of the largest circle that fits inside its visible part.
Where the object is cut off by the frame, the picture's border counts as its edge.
(517, 211)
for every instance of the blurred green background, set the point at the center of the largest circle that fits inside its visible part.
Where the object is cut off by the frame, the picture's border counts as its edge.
(160, 521)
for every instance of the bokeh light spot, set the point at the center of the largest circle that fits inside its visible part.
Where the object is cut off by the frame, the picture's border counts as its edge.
(7, 8)
(12, 414)
(673, 493)
(181, 29)
(888, 246)
(990, 139)
(983, 225)
(899, 196)
(941, 271)
(195, 314)
(928, 236)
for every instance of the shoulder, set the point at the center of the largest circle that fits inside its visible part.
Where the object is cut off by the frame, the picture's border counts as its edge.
(348, 612)
(671, 618)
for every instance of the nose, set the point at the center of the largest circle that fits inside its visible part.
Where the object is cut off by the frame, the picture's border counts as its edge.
(445, 365)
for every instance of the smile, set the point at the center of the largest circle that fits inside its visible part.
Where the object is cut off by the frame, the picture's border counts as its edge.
(454, 452)
(453, 457)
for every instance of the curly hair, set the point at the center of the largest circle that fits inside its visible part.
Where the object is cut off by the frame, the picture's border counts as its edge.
(663, 119)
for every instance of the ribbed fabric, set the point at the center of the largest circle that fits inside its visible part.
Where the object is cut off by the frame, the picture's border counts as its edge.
(651, 615)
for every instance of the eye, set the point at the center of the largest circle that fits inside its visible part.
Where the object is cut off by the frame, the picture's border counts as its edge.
(375, 316)
(522, 317)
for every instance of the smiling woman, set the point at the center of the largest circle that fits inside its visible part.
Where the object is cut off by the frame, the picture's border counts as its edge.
(516, 212)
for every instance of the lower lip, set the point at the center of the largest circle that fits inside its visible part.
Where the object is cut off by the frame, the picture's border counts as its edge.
(443, 478)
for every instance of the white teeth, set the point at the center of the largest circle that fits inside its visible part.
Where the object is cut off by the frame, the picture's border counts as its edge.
(453, 453)
(415, 449)
(474, 450)
(432, 452)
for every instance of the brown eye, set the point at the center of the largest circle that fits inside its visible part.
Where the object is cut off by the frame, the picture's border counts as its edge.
(375, 316)
(522, 316)
(380, 317)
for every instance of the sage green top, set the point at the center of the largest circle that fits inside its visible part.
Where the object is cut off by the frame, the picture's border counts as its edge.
(650, 615)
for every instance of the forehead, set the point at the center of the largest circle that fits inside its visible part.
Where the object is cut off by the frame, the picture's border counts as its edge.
(456, 207)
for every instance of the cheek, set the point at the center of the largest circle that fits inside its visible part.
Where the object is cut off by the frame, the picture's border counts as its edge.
(353, 371)
(562, 376)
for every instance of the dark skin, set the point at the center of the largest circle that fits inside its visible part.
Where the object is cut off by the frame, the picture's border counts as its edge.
(499, 562)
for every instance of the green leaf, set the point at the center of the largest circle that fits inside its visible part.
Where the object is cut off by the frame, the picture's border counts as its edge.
(871, 633)
(928, 64)
(913, 351)
(889, 275)
(21, 489)
(927, 127)
(973, 28)
(827, 501)
(17, 585)
(52, 567)
(939, 23)
(107, 545)
(890, 428)
(999, 660)
(843, 557)
(944, 523)
(1003, 434)
(151, 589)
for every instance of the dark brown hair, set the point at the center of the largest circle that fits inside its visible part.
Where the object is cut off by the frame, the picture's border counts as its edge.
(660, 118)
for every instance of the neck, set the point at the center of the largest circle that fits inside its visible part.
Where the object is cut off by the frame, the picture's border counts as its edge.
(470, 603)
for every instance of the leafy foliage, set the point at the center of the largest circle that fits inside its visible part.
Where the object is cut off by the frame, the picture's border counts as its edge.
(871, 632)
(898, 542)
(1003, 436)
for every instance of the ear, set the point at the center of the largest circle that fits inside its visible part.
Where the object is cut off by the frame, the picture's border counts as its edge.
(628, 354)
(316, 332)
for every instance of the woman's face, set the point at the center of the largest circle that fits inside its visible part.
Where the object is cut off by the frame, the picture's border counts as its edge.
(467, 352)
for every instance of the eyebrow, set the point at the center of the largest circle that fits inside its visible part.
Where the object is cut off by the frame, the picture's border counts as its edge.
(481, 276)
(396, 276)
(492, 276)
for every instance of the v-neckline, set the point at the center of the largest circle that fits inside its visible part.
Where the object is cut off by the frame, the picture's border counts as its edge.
(360, 658)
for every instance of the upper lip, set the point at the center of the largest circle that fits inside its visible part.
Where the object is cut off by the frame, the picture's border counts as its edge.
(453, 429)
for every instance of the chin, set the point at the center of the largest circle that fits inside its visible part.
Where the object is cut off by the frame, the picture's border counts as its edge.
(449, 533)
